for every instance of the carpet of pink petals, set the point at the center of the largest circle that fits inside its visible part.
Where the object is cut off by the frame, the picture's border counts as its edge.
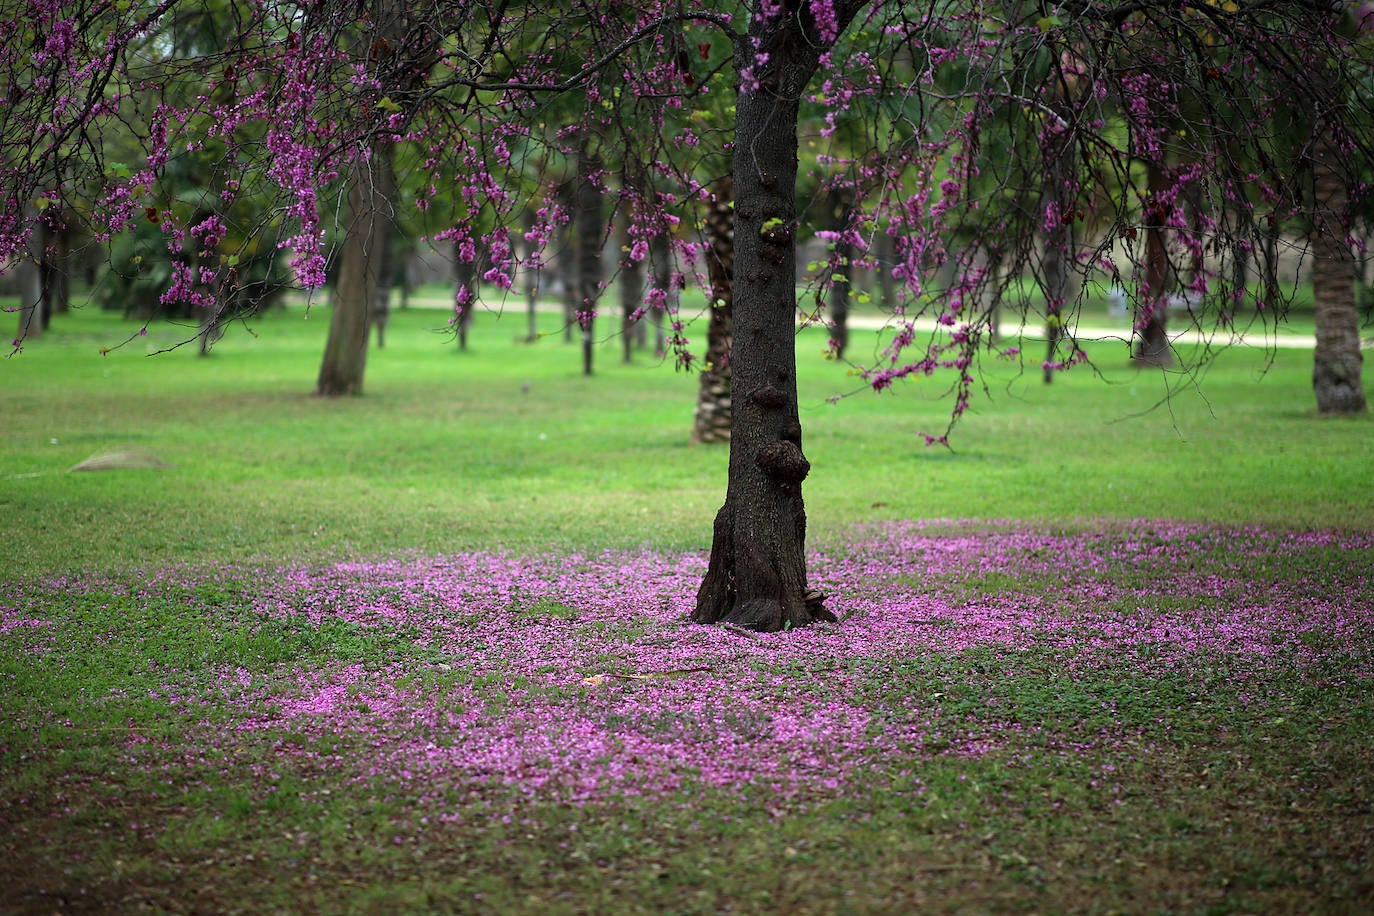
(574, 679)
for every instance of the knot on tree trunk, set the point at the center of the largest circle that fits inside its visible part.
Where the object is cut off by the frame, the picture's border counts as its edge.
(783, 461)
(768, 396)
(814, 600)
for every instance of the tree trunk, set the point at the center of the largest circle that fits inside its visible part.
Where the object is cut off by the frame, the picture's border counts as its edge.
(566, 258)
(32, 303)
(368, 231)
(1152, 344)
(1058, 254)
(711, 421)
(661, 251)
(841, 265)
(887, 284)
(631, 290)
(757, 573)
(467, 275)
(1336, 370)
(57, 268)
(530, 275)
(589, 228)
(386, 278)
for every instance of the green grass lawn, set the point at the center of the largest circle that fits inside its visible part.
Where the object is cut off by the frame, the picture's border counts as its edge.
(425, 651)
(507, 446)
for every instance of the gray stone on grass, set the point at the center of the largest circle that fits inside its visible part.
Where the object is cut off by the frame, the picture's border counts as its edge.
(114, 461)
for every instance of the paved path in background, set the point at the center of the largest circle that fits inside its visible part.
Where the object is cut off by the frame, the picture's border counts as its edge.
(1259, 338)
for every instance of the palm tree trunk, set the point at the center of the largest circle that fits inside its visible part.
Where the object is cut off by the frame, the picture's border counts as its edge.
(1336, 370)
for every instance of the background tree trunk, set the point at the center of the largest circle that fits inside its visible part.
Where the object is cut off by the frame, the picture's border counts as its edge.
(757, 572)
(1152, 343)
(467, 287)
(57, 267)
(386, 278)
(711, 421)
(530, 275)
(566, 258)
(1336, 370)
(841, 265)
(32, 303)
(661, 252)
(1058, 246)
(590, 237)
(368, 230)
(631, 290)
(883, 255)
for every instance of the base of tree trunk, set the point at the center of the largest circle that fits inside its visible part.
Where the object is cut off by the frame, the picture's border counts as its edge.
(1052, 348)
(755, 588)
(1153, 349)
(1339, 388)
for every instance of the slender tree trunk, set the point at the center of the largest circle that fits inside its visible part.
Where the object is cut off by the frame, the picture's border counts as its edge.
(887, 284)
(57, 268)
(711, 421)
(757, 572)
(386, 278)
(530, 275)
(1336, 370)
(405, 272)
(661, 251)
(589, 223)
(841, 269)
(566, 259)
(1058, 247)
(368, 231)
(223, 301)
(32, 302)
(631, 290)
(990, 298)
(1152, 343)
(467, 275)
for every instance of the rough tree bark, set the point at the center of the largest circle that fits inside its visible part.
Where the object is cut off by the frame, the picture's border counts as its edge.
(1336, 370)
(369, 228)
(756, 577)
(711, 420)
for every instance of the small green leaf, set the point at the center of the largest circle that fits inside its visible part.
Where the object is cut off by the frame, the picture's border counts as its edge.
(387, 105)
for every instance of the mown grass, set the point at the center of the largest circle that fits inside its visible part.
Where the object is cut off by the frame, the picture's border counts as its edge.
(146, 621)
(508, 446)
